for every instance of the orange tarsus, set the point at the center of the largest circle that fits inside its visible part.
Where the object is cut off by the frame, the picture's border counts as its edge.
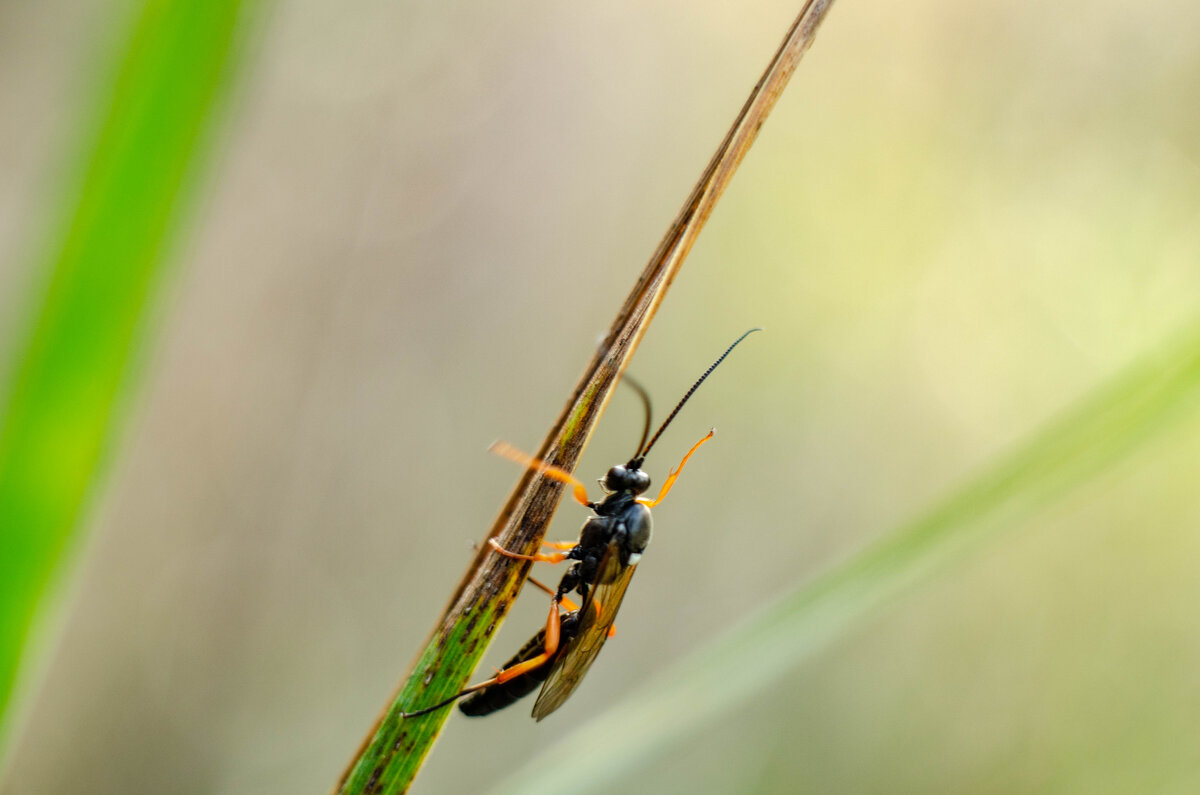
(673, 475)
(556, 557)
(506, 450)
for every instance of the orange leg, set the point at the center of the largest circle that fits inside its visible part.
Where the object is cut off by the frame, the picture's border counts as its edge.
(553, 622)
(549, 470)
(612, 628)
(560, 544)
(567, 603)
(553, 625)
(674, 473)
(553, 557)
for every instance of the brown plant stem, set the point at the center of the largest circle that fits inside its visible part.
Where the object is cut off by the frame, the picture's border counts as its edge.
(394, 749)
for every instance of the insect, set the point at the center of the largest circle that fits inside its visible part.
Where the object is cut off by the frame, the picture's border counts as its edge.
(603, 559)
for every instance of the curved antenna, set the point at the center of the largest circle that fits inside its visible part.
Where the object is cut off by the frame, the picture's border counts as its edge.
(645, 396)
(637, 460)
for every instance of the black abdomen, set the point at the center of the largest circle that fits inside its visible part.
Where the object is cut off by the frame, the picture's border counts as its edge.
(497, 697)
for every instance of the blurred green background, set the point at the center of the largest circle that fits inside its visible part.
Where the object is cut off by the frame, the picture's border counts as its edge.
(418, 219)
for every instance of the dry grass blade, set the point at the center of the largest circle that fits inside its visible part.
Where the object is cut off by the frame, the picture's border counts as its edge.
(393, 751)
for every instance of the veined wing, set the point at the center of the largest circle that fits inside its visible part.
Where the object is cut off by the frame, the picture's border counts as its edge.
(604, 599)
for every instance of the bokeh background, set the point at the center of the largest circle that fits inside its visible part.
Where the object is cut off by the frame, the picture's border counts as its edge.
(416, 221)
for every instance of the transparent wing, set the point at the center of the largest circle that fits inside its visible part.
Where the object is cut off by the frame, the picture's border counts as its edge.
(598, 616)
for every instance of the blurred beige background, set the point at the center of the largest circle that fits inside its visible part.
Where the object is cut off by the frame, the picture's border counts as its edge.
(421, 216)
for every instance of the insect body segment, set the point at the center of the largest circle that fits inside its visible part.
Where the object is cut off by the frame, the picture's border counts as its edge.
(609, 547)
(622, 526)
(602, 564)
(500, 695)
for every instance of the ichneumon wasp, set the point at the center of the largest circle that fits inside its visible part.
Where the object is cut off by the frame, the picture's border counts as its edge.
(604, 558)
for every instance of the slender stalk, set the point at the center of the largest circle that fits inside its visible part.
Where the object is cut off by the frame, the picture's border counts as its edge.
(394, 749)
(98, 275)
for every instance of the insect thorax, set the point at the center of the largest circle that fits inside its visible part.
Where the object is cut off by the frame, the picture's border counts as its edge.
(621, 519)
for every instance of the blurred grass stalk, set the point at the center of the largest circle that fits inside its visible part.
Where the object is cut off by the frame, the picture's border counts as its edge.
(94, 276)
(1106, 427)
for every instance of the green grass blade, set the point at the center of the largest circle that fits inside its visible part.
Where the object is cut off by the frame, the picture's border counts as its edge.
(97, 271)
(1115, 420)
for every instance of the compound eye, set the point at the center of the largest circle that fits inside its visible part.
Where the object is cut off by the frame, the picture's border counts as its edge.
(617, 479)
(639, 481)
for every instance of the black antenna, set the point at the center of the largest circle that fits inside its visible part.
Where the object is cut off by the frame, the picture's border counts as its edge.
(645, 396)
(637, 460)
